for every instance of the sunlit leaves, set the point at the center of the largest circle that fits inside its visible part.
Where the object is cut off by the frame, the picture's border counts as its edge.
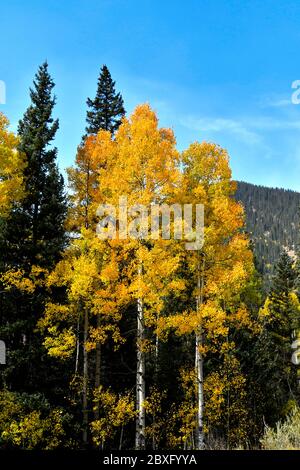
(12, 165)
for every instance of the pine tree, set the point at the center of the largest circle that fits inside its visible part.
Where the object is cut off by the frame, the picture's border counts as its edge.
(280, 318)
(284, 278)
(107, 109)
(43, 211)
(297, 263)
(33, 238)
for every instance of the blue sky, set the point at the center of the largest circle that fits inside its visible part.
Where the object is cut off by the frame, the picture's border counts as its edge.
(217, 70)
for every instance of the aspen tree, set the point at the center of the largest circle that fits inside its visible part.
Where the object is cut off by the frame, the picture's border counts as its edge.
(220, 270)
(93, 289)
(92, 155)
(145, 172)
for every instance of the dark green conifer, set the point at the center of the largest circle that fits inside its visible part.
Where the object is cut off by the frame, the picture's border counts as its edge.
(33, 235)
(43, 211)
(107, 109)
(276, 373)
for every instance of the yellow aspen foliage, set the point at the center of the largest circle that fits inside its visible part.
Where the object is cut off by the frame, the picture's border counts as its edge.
(227, 408)
(12, 165)
(144, 169)
(23, 281)
(92, 283)
(221, 269)
(145, 159)
(34, 431)
(93, 155)
(153, 405)
(28, 429)
(228, 260)
(60, 344)
(144, 172)
(116, 412)
(198, 295)
(182, 418)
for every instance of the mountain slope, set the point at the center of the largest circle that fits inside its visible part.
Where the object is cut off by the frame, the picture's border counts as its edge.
(272, 220)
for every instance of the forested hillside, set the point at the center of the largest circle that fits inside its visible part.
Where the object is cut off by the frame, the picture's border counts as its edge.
(272, 220)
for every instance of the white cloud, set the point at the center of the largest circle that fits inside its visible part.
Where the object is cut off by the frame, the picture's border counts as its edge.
(269, 123)
(246, 129)
(232, 126)
(275, 101)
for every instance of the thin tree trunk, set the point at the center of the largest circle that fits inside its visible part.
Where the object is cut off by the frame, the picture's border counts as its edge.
(155, 381)
(77, 345)
(199, 363)
(228, 402)
(98, 372)
(140, 375)
(121, 437)
(85, 379)
(156, 356)
(200, 392)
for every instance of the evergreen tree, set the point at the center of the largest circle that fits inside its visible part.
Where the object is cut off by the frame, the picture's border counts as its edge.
(33, 239)
(284, 280)
(280, 318)
(35, 232)
(297, 263)
(107, 109)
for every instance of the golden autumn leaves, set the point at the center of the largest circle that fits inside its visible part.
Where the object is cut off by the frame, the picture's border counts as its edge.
(104, 278)
(11, 168)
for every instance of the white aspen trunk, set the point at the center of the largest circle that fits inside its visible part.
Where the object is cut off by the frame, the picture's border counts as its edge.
(200, 392)
(85, 380)
(140, 376)
(199, 364)
(156, 355)
(97, 372)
